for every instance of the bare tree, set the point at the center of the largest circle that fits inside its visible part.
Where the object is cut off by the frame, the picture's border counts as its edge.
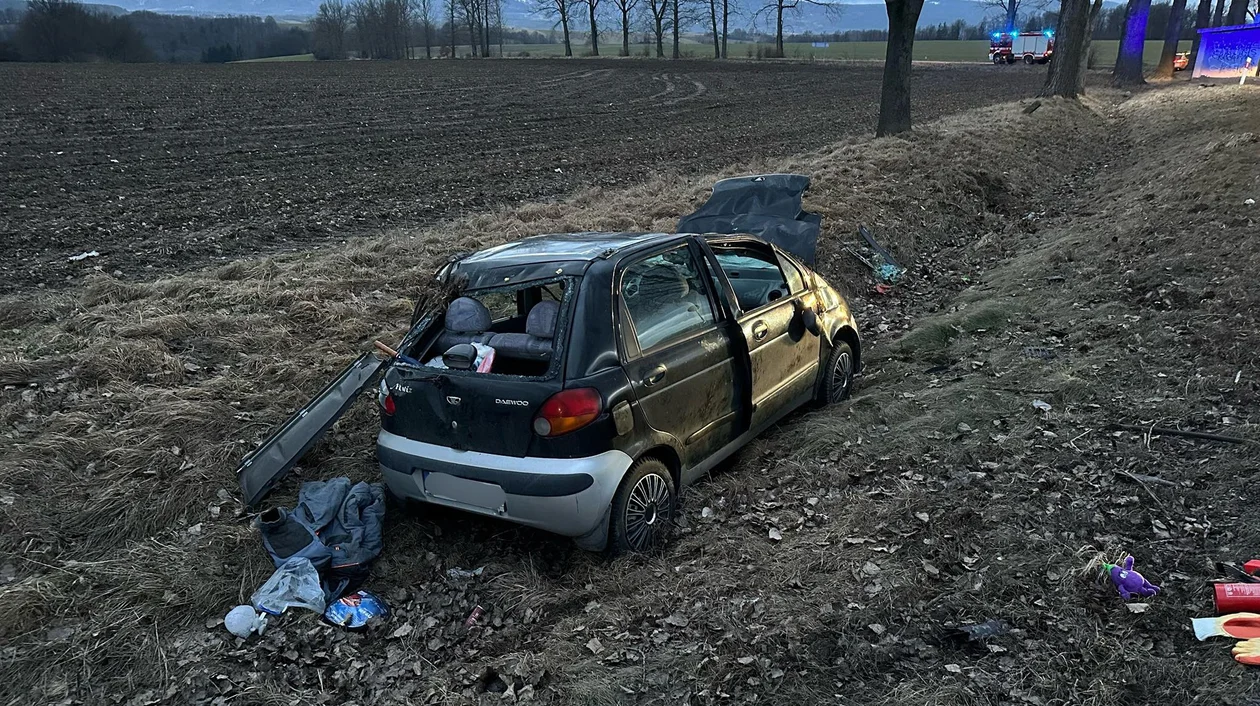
(1219, 16)
(1202, 19)
(1071, 48)
(625, 7)
(592, 7)
(1009, 10)
(1237, 12)
(1128, 70)
(778, 7)
(329, 30)
(450, 18)
(677, 53)
(423, 11)
(657, 9)
(726, 15)
(559, 11)
(894, 98)
(713, 26)
(1172, 33)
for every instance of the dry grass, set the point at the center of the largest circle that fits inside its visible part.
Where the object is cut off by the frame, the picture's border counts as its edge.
(132, 403)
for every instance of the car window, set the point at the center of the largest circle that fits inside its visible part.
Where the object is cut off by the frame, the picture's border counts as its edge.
(665, 298)
(795, 279)
(754, 275)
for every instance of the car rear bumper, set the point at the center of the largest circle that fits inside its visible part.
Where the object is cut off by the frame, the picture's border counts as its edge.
(568, 496)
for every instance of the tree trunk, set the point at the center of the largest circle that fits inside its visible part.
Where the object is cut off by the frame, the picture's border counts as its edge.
(564, 22)
(452, 9)
(1128, 71)
(1071, 39)
(894, 98)
(1237, 14)
(726, 13)
(625, 31)
(717, 47)
(1219, 16)
(1012, 8)
(677, 53)
(591, 5)
(1171, 35)
(1094, 13)
(660, 35)
(1202, 19)
(778, 29)
(428, 39)
(485, 29)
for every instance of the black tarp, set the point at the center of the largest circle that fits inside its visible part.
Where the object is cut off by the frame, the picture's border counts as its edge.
(764, 205)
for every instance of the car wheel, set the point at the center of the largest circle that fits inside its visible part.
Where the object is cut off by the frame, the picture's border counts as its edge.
(643, 508)
(1028, 59)
(838, 380)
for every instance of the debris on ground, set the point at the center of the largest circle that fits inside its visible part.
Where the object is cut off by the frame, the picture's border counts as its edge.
(295, 584)
(243, 621)
(356, 611)
(1129, 582)
(84, 255)
(980, 631)
(1240, 625)
(463, 574)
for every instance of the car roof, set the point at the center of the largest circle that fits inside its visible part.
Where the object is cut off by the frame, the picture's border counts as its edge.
(560, 247)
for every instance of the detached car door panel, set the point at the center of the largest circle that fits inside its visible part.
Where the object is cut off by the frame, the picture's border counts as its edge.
(678, 352)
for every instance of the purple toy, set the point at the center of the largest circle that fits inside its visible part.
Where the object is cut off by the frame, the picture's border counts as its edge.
(1129, 582)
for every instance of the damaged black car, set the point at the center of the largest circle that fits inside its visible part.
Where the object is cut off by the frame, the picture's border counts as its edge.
(576, 382)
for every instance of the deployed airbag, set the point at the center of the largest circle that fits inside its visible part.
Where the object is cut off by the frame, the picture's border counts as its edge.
(765, 205)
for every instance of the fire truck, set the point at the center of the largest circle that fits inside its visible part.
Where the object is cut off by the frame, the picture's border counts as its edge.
(1029, 47)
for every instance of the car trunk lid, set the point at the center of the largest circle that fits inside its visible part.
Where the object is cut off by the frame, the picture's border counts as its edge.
(465, 410)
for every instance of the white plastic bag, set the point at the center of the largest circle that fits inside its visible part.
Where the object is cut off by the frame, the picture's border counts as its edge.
(294, 585)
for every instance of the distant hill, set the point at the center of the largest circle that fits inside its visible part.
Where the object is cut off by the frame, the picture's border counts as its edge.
(105, 9)
(520, 13)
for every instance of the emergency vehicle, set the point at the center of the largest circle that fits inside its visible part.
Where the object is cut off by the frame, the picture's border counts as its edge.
(1029, 47)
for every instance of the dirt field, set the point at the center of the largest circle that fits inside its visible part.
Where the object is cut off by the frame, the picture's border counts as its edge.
(939, 496)
(162, 169)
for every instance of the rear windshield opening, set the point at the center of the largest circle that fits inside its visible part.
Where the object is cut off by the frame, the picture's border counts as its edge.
(513, 330)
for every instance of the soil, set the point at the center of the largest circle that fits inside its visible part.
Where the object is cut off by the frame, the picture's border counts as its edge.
(974, 475)
(163, 169)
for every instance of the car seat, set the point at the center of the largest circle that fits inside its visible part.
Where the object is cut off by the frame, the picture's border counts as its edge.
(537, 342)
(467, 321)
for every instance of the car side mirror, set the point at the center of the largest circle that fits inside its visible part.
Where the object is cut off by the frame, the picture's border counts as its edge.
(809, 318)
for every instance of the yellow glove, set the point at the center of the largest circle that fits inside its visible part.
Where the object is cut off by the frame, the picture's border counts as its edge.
(1247, 651)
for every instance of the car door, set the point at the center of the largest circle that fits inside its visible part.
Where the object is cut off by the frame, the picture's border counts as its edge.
(678, 351)
(782, 354)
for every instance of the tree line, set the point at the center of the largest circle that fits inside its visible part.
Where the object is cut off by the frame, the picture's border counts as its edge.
(62, 31)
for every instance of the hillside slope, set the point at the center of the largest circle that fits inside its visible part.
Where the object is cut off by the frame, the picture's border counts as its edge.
(938, 496)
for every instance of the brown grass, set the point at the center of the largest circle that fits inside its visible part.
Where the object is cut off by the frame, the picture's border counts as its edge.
(126, 537)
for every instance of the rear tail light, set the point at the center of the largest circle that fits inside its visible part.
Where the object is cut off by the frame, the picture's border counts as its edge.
(385, 399)
(568, 410)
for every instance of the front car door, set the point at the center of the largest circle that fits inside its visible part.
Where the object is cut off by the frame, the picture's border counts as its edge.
(677, 351)
(782, 354)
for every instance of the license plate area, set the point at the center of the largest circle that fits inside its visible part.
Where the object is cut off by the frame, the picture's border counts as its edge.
(488, 496)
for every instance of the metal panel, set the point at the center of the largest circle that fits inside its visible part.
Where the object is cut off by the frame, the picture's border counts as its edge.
(267, 464)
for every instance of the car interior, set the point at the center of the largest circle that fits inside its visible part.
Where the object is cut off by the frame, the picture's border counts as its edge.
(519, 325)
(755, 276)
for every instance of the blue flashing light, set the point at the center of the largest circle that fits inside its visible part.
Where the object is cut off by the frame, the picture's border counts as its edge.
(996, 35)
(1014, 35)
(1049, 33)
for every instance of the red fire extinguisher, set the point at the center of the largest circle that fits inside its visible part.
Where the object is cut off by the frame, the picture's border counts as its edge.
(1239, 597)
